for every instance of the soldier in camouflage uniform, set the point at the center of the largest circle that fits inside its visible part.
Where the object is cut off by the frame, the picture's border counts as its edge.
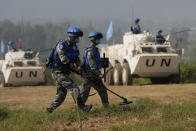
(92, 64)
(66, 60)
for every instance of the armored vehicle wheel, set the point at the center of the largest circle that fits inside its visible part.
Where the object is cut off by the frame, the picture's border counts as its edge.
(2, 80)
(162, 80)
(126, 76)
(117, 75)
(175, 79)
(45, 80)
(109, 76)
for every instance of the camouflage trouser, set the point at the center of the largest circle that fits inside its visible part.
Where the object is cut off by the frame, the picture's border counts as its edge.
(64, 84)
(98, 85)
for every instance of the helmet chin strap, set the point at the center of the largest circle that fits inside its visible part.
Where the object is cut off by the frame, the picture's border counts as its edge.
(70, 40)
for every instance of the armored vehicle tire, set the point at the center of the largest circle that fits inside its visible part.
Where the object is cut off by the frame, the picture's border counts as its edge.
(45, 80)
(163, 80)
(109, 76)
(117, 75)
(2, 80)
(126, 76)
(175, 79)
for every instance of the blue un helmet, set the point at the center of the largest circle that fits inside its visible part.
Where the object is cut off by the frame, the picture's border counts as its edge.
(95, 36)
(10, 43)
(136, 20)
(74, 32)
(159, 31)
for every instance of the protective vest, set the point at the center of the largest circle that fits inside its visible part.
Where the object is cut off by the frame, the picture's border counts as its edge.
(98, 60)
(134, 29)
(160, 39)
(71, 53)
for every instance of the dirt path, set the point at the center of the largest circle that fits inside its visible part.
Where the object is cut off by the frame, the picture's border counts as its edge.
(39, 97)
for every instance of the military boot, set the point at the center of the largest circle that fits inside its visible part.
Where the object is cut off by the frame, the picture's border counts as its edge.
(48, 110)
(86, 108)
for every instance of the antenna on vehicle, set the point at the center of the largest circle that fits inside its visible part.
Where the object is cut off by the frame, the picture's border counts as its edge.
(132, 15)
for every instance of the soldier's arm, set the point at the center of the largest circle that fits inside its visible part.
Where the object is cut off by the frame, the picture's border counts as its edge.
(78, 61)
(92, 63)
(131, 28)
(160, 38)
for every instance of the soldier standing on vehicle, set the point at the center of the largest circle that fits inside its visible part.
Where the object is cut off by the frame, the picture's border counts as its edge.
(135, 28)
(65, 60)
(92, 64)
(11, 46)
(159, 37)
(28, 54)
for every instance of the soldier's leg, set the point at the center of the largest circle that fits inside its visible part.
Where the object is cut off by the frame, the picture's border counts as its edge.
(59, 98)
(80, 102)
(85, 90)
(101, 89)
(60, 95)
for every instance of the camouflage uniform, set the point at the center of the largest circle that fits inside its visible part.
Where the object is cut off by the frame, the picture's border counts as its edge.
(61, 75)
(92, 55)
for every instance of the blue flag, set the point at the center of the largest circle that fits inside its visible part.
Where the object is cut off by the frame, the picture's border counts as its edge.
(2, 47)
(110, 31)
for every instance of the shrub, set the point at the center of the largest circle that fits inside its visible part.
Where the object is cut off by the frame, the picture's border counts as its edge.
(3, 113)
(188, 72)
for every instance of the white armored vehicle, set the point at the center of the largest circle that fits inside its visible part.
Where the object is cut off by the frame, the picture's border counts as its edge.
(21, 68)
(140, 56)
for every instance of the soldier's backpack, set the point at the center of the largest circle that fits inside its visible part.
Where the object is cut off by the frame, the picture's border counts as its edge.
(50, 62)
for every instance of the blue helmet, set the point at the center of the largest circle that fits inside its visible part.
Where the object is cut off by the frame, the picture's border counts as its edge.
(95, 35)
(136, 20)
(74, 32)
(159, 31)
(10, 43)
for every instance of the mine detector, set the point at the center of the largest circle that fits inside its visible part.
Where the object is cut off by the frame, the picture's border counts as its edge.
(20, 68)
(139, 56)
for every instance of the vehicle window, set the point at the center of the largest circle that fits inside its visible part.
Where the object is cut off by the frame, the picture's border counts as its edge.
(31, 63)
(18, 64)
(147, 49)
(162, 50)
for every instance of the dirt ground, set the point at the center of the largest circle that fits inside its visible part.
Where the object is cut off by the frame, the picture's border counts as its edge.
(38, 98)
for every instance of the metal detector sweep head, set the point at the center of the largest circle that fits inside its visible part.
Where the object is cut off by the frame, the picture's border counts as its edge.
(125, 102)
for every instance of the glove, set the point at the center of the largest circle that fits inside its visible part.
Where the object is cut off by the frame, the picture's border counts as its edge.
(101, 76)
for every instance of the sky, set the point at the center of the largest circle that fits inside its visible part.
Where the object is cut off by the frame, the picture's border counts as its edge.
(97, 9)
(158, 12)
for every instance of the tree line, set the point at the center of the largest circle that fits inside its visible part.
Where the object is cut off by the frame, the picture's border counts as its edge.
(43, 36)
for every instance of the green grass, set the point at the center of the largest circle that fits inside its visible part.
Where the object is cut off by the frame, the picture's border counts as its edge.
(144, 114)
(167, 117)
(28, 120)
(188, 72)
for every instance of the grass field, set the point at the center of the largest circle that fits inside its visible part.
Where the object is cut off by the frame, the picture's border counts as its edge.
(155, 107)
